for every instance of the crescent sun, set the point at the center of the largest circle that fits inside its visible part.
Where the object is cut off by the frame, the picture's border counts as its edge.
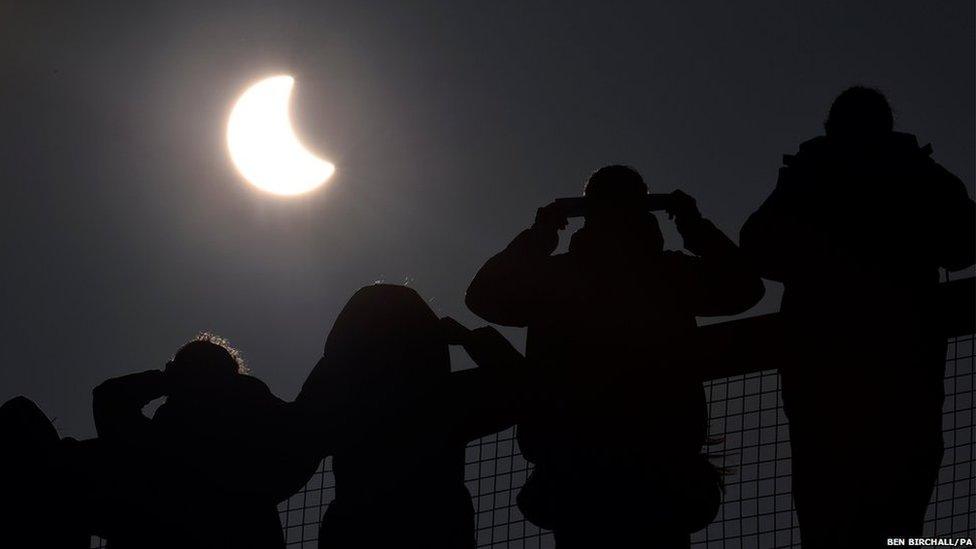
(263, 144)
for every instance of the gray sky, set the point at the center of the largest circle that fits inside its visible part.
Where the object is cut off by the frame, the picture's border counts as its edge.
(126, 230)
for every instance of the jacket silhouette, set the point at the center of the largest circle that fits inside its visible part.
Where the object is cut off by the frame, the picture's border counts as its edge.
(617, 431)
(858, 225)
(405, 419)
(208, 468)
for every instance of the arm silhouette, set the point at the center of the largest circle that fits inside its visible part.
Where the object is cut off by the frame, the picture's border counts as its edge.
(493, 396)
(722, 281)
(775, 234)
(511, 285)
(117, 403)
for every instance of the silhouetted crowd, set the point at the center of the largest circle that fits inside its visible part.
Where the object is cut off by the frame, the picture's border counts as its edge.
(613, 419)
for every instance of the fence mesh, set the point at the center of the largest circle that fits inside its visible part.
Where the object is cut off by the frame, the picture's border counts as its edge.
(757, 511)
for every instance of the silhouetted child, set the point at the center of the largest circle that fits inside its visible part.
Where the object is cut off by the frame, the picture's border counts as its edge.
(618, 433)
(209, 467)
(406, 418)
(857, 228)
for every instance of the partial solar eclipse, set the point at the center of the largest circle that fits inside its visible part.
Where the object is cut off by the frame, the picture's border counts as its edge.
(263, 144)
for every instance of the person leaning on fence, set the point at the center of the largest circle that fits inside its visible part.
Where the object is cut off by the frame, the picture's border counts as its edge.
(209, 467)
(858, 225)
(398, 455)
(616, 435)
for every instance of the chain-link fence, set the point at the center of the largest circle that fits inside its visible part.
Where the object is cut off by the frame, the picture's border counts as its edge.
(758, 508)
(757, 512)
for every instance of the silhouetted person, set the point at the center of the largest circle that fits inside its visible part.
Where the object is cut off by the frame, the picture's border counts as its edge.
(209, 467)
(399, 456)
(859, 224)
(36, 500)
(618, 432)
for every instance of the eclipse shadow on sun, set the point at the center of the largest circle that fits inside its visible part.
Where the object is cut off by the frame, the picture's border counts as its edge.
(263, 144)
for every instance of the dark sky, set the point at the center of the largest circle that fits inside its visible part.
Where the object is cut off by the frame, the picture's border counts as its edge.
(126, 230)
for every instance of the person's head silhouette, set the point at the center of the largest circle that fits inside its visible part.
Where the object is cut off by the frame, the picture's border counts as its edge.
(613, 191)
(386, 343)
(204, 362)
(859, 114)
(617, 208)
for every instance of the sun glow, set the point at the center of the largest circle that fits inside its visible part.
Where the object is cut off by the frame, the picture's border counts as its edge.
(263, 144)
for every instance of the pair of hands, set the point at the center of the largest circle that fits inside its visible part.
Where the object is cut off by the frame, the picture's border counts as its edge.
(166, 379)
(161, 381)
(164, 382)
(680, 205)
